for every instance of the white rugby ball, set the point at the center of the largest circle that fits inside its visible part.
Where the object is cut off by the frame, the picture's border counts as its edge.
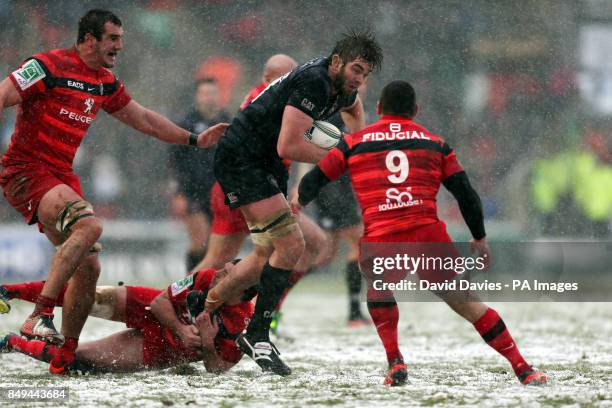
(323, 134)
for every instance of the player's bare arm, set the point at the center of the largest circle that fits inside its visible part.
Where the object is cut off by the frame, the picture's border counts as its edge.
(354, 116)
(209, 328)
(8, 95)
(291, 144)
(158, 126)
(163, 310)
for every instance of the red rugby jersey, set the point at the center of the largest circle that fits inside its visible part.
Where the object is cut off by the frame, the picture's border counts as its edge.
(61, 97)
(253, 94)
(396, 168)
(235, 318)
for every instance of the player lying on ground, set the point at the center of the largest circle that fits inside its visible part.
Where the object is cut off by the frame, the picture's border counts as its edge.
(165, 327)
(410, 159)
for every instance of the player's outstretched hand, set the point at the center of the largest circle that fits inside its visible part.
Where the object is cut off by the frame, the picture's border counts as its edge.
(208, 327)
(189, 335)
(211, 135)
(481, 248)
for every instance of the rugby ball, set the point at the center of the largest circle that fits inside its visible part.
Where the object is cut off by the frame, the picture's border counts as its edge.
(323, 134)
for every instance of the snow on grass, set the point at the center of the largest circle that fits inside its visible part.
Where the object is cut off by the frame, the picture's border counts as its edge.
(333, 365)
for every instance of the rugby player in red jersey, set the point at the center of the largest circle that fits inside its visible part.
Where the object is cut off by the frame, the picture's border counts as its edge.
(59, 94)
(410, 160)
(165, 327)
(275, 67)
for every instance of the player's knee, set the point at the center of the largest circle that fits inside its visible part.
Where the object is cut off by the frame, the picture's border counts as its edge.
(292, 248)
(296, 243)
(91, 268)
(92, 226)
(319, 243)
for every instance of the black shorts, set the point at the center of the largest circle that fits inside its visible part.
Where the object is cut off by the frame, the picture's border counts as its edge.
(192, 169)
(337, 207)
(198, 195)
(245, 180)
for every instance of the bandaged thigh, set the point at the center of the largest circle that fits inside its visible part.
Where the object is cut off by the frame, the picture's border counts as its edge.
(278, 224)
(71, 214)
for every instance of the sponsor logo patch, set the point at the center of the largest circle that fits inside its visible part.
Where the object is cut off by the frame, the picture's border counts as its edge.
(30, 73)
(308, 105)
(76, 84)
(181, 285)
(75, 116)
(232, 197)
(399, 199)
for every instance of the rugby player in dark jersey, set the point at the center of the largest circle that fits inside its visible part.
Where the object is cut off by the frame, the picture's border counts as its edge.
(193, 171)
(249, 167)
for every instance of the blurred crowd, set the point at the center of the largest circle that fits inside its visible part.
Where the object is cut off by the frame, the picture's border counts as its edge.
(500, 86)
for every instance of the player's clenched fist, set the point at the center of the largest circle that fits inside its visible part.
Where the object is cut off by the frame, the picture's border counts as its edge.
(208, 327)
(481, 248)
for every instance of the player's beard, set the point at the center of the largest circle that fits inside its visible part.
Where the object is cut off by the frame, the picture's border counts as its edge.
(340, 82)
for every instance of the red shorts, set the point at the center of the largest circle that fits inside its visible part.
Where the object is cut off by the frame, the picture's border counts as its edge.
(430, 242)
(159, 347)
(226, 221)
(25, 185)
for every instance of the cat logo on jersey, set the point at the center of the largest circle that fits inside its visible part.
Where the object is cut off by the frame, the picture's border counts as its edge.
(306, 104)
(89, 103)
(29, 73)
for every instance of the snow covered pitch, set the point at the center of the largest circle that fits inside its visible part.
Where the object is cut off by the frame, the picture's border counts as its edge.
(333, 365)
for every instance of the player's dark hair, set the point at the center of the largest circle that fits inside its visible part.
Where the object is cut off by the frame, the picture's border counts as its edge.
(398, 98)
(93, 23)
(355, 44)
